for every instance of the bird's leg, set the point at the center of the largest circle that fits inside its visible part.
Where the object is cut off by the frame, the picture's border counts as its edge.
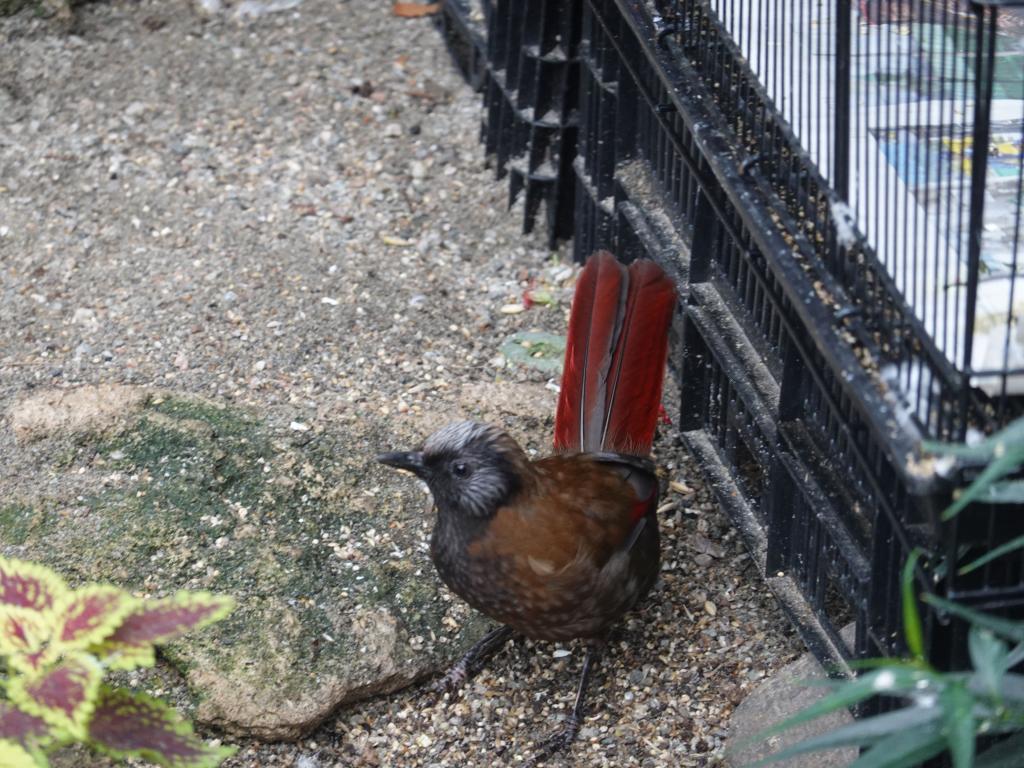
(564, 737)
(473, 659)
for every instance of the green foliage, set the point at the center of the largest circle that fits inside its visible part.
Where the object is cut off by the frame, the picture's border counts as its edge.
(912, 632)
(942, 712)
(59, 642)
(1001, 455)
(535, 349)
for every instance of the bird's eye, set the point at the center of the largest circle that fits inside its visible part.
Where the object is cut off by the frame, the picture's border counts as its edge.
(460, 469)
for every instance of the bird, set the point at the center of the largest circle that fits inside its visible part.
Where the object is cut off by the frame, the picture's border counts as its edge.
(561, 547)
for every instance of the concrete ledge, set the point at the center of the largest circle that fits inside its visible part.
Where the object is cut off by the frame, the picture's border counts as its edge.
(778, 698)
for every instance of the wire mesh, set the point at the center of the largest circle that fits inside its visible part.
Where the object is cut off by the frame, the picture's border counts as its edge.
(864, 117)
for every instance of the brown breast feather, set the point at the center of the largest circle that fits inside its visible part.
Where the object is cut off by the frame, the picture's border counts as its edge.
(560, 525)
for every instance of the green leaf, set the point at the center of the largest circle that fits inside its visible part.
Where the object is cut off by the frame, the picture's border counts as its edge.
(126, 724)
(1012, 687)
(957, 706)
(1007, 492)
(535, 349)
(867, 731)
(887, 681)
(13, 755)
(28, 731)
(23, 635)
(912, 632)
(881, 663)
(999, 468)
(159, 621)
(28, 585)
(1016, 656)
(62, 694)
(1009, 546)
(1006, 628)
(969, 455)
(541, 296)
(87, 615)
(1006, 754)
(988, 657)
(22, 727)
(904, 749)
(981, 453)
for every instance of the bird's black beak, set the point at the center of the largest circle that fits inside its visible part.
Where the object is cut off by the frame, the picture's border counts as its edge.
(410, 460)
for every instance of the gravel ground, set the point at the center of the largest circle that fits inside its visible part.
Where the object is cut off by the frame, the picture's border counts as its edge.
(294, 209)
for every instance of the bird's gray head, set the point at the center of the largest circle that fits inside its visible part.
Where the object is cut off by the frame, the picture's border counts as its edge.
(470, 468)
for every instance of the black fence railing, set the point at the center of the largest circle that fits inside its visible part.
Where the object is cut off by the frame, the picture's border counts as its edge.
(807, 171)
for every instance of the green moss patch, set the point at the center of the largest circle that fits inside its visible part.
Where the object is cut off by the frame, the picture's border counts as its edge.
(311, 539)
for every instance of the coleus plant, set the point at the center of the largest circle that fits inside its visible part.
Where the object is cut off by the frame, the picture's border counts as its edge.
(58, 643)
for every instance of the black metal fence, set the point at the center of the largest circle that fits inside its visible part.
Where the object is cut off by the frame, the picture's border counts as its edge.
(863, 118)
(848, 261)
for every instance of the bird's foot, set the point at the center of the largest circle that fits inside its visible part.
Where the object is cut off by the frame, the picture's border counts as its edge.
(453, 680)
(469, 664)
(559, 741)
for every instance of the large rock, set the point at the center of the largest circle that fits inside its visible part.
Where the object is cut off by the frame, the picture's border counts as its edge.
(324, 550)
(781, 696)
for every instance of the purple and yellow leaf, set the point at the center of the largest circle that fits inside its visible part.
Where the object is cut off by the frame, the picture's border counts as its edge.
(29, 585)
(126, 724)
(23, 632)
(23, 728)
(158, 621)
(116, 656)
(63, 695)
(87, 615)
(13, 755)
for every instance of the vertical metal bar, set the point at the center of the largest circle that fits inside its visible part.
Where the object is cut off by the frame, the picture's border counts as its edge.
(857, 127)
(798, 69)
(948, 127)
(938, 328)
(695, 386)
(703, 243)
(1013, 283)
(915, 288)
(841, 121)
(983, 85)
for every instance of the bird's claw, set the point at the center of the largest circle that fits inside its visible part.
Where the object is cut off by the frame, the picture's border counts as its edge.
(558, 741)
(452, 681)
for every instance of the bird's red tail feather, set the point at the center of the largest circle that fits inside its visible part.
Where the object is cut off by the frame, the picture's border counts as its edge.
(615, 357)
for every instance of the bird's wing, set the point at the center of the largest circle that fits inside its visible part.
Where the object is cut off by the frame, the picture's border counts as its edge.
(583, 510)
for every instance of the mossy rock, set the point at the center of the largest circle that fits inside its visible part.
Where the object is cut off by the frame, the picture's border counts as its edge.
(60, 10)
(322, 549)
(8, 7)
